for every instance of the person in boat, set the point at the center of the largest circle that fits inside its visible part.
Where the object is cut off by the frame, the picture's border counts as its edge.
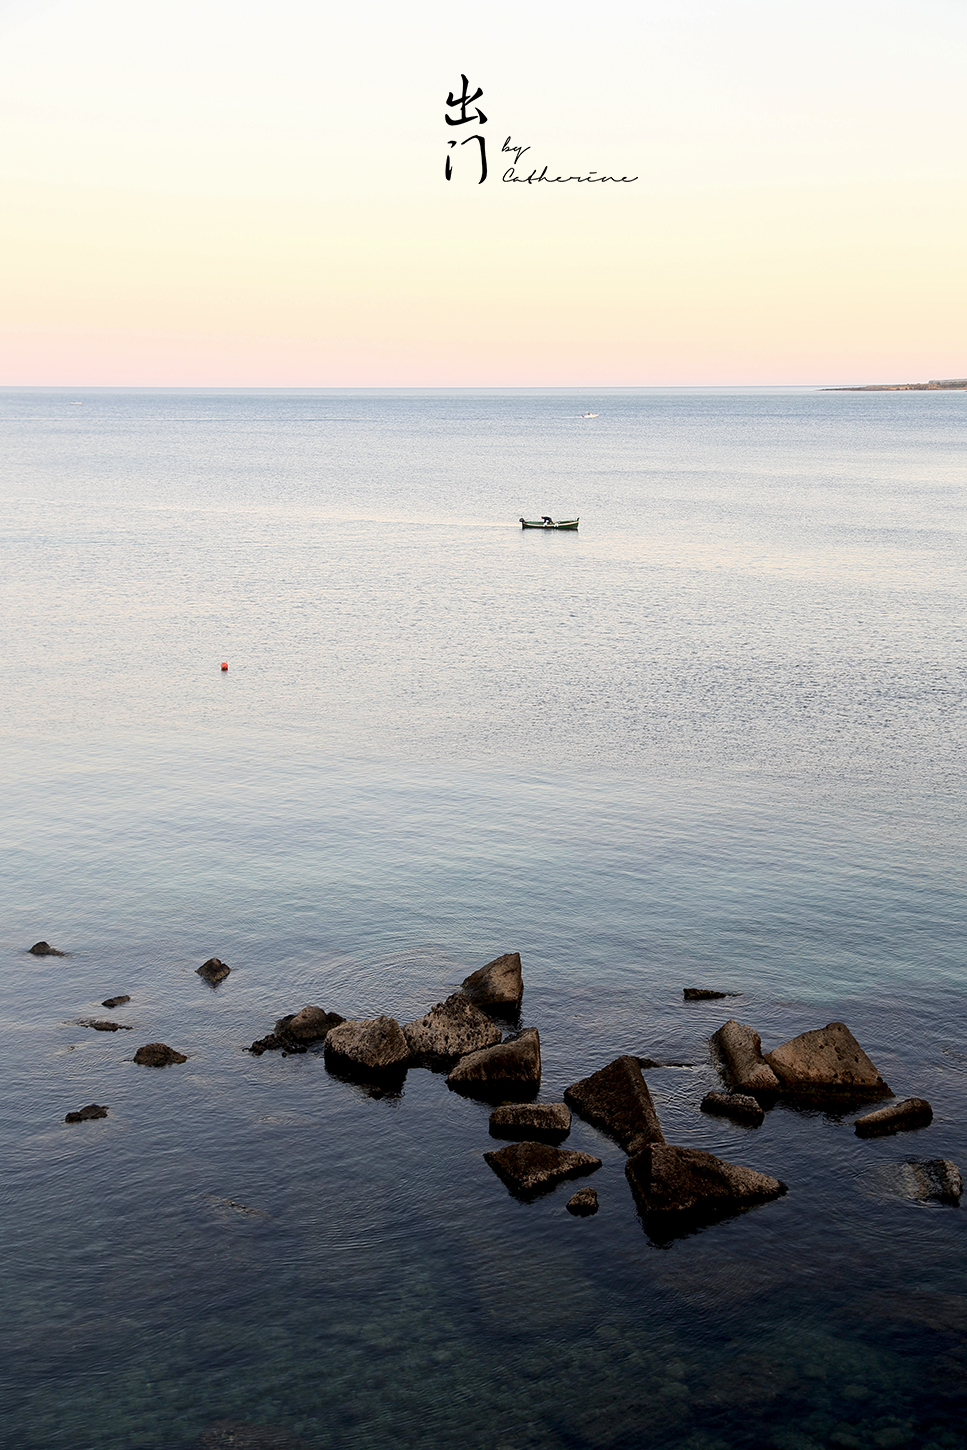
(546, 519)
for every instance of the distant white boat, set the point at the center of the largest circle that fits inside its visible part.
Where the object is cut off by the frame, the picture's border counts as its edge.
(590, 415)
(75, 405)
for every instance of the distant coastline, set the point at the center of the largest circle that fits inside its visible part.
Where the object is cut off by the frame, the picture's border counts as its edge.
(931, 387)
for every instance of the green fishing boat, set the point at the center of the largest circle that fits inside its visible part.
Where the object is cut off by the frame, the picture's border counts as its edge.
(549, 523)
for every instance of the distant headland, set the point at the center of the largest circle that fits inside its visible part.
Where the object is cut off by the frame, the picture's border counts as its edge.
(931, 387)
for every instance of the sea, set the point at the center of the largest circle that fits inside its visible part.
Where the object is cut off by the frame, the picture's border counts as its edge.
(714, 738)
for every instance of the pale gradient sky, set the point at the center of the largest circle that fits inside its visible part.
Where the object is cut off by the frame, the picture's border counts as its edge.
(253, 195)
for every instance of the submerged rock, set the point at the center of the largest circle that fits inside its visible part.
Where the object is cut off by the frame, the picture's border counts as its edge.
(704, 994)
(240, 1435)
(547, 1122)
(895, 1118)
(115, 1001)
(44, 949)
(83, 1115)
(450, 1030)
(509, 1070)
(739, 1049)
(680, 1182)
(213, 971)
(530, 1168)
(101, 1024)
(583, 1203)
(616, 1099)
(499, 986)
(373, 1048)
(930, 1180)
(826, 1062)
(738, 1106)
(158, 1054)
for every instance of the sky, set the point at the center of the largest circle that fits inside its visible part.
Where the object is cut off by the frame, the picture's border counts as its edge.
(253, 195)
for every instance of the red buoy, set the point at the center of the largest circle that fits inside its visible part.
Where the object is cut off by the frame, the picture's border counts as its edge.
(224, 664)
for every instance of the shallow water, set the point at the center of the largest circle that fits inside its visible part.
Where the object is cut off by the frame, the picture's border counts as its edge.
(714, 738)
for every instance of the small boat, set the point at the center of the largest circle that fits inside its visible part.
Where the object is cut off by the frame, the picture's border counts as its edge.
(548, 523)
(590, 415)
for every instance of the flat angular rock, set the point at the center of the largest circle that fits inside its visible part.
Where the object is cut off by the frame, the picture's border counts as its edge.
(616, 1099)
(740, 1051)
(450, 1030)
(583, 1203)
(101, 1024)
(213, 971)
(83, 1115)
(499, 986)
(372, 1048)
(933, 1180)
(545, 1122)
(895, 1118)
(530, 1168)
(509, 1070)
(738, 1106)
(826, 1062)
(669, 1181)
(44, 949)
(158, 1054)
(703, 994)
(115, 1001)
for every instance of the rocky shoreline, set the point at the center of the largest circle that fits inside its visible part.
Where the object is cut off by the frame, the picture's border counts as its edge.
(476, 1039)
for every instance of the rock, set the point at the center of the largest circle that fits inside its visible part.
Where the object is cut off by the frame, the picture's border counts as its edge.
(498, 986)
(311, 1024)
(911, 1113)
(44, 949)
(115, 1001)
(547, 1122)
(213, 971)
(934, 1179)
(678, 1182)
(450, 1030)
(530, 1168)
(373, 1048)
(583, 1203)
(83, 1115)
(826, 1062)
(704, 994)
(157, 1054)
(740, 1050)
(100, 1024)
(616, 1099)
(739, 1106)
(509, 1070)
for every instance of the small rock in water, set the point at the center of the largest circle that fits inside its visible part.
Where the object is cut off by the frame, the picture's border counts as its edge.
(704, 994)
(44, 949)
(548, 1122)
(158, 1054)
(509, 1070)
(583, 1203)
(530, 1168)
(895, 1118)
(934, 1179)
(213, 971)
(115, 1001)
(83, 1115)
(450, 1030)
(100, 1024)
(740, 1050)
(499, 986)
(372, 1048)
(827, 1062)
(739, 1106)
(616, 1099)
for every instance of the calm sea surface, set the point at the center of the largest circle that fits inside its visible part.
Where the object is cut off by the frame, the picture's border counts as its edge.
(715, 738)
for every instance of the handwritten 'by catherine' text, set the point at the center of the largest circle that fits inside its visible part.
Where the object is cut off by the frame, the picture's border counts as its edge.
(537, 176)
